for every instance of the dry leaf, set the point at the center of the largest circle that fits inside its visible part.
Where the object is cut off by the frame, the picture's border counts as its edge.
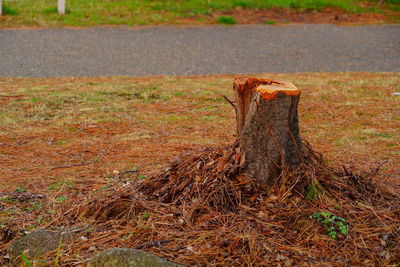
(210, 163)
(222, 163)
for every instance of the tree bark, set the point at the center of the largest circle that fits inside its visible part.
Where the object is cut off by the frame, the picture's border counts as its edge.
(267, 127)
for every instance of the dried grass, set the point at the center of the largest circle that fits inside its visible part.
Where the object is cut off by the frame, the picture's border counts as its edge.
(345, 116)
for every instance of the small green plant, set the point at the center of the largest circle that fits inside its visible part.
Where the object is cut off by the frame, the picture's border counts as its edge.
(60, 199)
(9, 11)
(50, 10)
(54, 10)
(127, 236)
(141, 176)
(20, 189)
(34, 207)
(313, 191)
(8, 200)
(334, 225)
(56, 262)
(36, 99)
(270, 22)
(226, 20)
(146, 215)
(26, 260)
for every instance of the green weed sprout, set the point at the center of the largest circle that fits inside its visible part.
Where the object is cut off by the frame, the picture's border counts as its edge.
(226, 20)
(333, 224)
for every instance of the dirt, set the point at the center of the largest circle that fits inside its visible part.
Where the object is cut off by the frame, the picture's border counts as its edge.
(286, 16)
(49, 152)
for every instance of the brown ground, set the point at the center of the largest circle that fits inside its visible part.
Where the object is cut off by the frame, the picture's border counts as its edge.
(284, 16)
(69, 138)
(48, 138)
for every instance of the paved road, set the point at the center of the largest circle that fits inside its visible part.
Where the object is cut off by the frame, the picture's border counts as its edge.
(198, 50)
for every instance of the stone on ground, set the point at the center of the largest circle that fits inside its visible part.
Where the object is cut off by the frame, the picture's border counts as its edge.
(129, 257)
(36, 243)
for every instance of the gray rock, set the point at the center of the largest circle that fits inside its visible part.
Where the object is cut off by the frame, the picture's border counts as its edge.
(128, 257)
(36, 243)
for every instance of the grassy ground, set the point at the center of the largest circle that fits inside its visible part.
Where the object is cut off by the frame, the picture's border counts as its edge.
(133, 12)
(68, 137)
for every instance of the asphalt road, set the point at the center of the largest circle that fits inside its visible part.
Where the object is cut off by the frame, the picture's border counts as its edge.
(169, 50)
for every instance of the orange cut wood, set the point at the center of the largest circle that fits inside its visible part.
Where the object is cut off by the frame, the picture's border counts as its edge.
(269, 91)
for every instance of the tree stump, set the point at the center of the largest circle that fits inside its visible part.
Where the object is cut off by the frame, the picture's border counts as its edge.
(267, 127)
